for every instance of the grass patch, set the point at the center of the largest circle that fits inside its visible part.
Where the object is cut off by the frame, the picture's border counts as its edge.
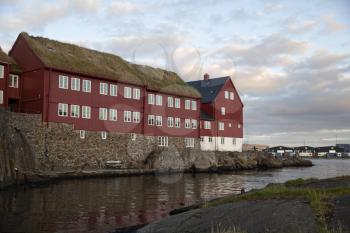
(318, 198)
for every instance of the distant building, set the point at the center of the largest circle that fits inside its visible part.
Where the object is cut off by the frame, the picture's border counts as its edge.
(346, 148)
(304, 151)
(281, 150)
(254, 147)
(326, 151)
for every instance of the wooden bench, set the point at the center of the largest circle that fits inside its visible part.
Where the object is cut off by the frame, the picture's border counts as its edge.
(114, 164)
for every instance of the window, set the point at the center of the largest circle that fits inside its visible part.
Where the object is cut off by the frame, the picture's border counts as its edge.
(162, 141)
(207, 125)
(2, 71)
(210, 139)
(103, 88)
(223, 111)
(75, 84)
(127, 92)
(222, 140)
(239, 126)
(136, 93)
(226, 95)
(104, 135)
(86, 85)
(63, 109)
(113, 90)
(187, 104)
(113, 114)
(202, 139)
(187, 123)
(232, 96)
(86, 112)
(74, 111)
(103, 114)
(189, 142)
(170, 102)
(159, 100)
(159, 121)
(13, 81)
(127, 116)
(234, 141)
(170, 122)
(177, 122)
(230, 125)
(133, 136)
(221, 126)
(136, 117)
(177, 103)
(63, 82)
(194, 105)
(150, 119)
(1, 97)
(150, 98)
(194, 124)
(82, 134)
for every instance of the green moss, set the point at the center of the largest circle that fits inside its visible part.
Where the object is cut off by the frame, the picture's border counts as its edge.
(77, 59)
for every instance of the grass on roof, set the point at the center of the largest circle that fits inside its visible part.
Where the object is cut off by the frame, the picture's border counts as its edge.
(77, 59)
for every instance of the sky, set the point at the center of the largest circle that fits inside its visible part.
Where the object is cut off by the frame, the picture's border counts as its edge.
(289, 60)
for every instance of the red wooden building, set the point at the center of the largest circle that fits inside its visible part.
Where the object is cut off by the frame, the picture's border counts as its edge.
(97, 91)
(221, 114)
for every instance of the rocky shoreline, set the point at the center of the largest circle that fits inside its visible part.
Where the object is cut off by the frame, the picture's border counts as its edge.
(296, 206)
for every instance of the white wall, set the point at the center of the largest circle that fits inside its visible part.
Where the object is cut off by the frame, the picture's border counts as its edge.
(216, 145)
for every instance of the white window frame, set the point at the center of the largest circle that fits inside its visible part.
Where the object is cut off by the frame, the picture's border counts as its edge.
(187, 123)
(223, 111)
(207, 125)
(75, 84)
(170, 102)
(194, 105)
(127, 116)
(177, 103)
(62, 110)
(232, 96)
(151, 120)
(239, 126)
(63, 82)
(2, 72)
(1, 97)
(74, 111)
(113, 114)
(159, 100)
(103, 114)
(133, 136)
(177, 121)
(150, 99)
(221, 126)
(171, 122)
(82, 134)
(163, 141)
(136, 117)
(227, 95)
(127, 92)
(104, 88)
(194, 124)
(210, 139)
(86, 86)
(14, 80)
(189, 142)
(104, 135)
(188, 104)
(113, 90)
(234, 141)
(159, 121)
(222, 141)
(86, 112)
(136, 93)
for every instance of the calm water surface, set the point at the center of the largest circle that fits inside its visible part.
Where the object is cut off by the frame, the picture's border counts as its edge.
(101, 205)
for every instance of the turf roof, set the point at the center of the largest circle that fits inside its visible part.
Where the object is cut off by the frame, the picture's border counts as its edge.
(69, 57)
(14, 68)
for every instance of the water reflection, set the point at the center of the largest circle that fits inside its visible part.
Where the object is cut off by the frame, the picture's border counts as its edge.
(101, 205)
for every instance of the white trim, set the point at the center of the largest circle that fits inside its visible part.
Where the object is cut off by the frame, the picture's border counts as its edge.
(104, 88)
(189, 142)
(163, 141)
(75, 111)
(63, 82)
(127, 116)
(136, 117)
(159, 120)
(136, 93)
(103, 114)
(113, 90)
(159, 100)
(170, 102)
(104, 135)
(150, 99)
(86, 86)
(170, 122)
(75, 84)
(127, 92)
(62, 109)
(82, 134)
(2, 72)
(86, 112)
(113, 114)
(150, 120)
(1, 97)
(14, 80)
(177, 103)
(177, 121)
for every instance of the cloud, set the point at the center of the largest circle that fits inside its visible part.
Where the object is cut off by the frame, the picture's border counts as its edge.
(123, 8)
(331, 25)
(300, 28)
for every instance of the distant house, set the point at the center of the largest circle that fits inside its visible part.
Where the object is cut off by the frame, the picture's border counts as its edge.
(346, 148)
(326, 151)
(304, 151)
(221, 119)
(9, 82)
(281, 150)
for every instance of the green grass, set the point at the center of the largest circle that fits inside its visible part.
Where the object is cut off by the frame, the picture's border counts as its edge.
(318, 199)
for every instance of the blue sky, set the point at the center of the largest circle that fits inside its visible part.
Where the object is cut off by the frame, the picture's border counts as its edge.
(290, 60)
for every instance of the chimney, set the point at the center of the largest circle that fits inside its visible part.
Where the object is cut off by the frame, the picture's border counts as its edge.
(206, 76)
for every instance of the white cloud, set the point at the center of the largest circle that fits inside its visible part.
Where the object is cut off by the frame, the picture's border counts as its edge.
(331, 25)
(118, 8)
